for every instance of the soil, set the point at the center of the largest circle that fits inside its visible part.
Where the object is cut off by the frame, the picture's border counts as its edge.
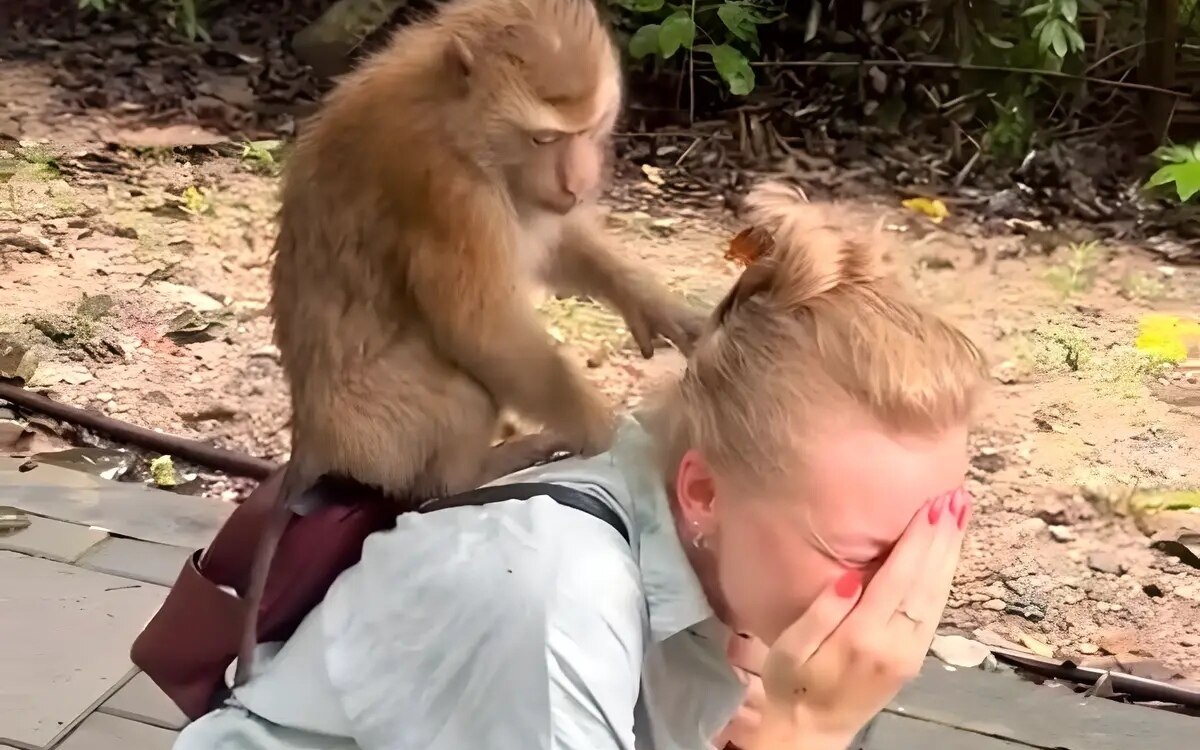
(175, 227)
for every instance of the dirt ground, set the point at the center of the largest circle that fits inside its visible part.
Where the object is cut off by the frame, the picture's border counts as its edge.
(139, 277)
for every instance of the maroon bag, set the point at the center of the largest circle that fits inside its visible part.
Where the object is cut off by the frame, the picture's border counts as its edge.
(191, 641)
(189, 644)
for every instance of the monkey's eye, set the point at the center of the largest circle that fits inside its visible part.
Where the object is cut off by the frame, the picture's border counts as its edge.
(545, 137)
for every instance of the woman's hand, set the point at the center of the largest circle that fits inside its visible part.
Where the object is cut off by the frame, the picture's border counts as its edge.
(837, 666)
(746, 656)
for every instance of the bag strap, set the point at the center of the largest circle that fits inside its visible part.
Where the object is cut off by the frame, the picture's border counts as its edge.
(561, 494)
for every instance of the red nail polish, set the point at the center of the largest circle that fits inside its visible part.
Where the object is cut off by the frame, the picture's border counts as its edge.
(935, 510)
(847, 586)
(956, 498)
(964, 513)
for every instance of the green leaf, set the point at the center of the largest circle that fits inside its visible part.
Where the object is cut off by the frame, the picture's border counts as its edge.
(1069, 10)
(1075, 38)
(678, 30)
(1039, 9)
(1045, 35)
(732, 66)
(742, 21)
(814, 22)
(1164, 176)
(1186, 178)
(997, 42)
(644, 41)
(641, 6)
(1177, 153)
(1061, 48)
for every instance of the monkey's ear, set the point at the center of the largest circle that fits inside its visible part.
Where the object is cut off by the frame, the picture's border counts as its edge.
(460, 61)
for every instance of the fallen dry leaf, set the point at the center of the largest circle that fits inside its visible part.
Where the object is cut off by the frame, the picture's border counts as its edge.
(1036, 646)
(749, 245)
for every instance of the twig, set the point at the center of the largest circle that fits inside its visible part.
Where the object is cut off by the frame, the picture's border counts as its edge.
(966, 66)
(688, 150)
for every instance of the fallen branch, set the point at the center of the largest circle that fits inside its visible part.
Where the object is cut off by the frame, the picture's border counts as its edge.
(945, 65)
(231, 462)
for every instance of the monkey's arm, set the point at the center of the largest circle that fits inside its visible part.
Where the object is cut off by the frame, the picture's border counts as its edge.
(587, 263)
(470, 295)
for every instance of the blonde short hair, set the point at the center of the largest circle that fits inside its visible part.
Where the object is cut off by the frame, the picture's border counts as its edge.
(812, 326)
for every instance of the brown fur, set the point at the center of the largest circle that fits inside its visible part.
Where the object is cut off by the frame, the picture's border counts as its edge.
(441, 180)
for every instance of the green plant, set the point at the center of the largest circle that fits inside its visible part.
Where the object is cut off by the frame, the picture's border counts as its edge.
(196, 201)
(261, 156)
(1078, 274)
(181, 15)
(730, 28)
(1180, 167)
(1140, 285)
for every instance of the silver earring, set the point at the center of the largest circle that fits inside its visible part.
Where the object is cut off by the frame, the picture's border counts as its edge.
(698, 540)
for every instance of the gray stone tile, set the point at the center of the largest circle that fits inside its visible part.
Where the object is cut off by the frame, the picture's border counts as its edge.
(123, 508)
(133, 558)
(893, 732)
(1005, 705)
(104, 732)
(141, 700)
(65, 635)
(57, 540)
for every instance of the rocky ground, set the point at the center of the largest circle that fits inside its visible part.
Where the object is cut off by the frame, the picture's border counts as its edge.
(134, 241)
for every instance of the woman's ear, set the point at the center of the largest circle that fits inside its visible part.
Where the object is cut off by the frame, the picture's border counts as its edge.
(695, 492)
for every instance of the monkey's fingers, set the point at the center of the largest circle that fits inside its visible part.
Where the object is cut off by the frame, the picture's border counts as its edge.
(643, 334)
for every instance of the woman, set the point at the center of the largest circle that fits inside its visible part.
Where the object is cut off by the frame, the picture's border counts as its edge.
(799, 485)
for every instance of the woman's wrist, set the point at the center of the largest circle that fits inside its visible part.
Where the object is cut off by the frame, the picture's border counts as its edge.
(784, 727)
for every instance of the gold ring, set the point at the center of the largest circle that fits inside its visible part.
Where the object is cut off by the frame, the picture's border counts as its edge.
(914, 620)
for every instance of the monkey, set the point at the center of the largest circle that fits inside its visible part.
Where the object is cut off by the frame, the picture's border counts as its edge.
(438, 184)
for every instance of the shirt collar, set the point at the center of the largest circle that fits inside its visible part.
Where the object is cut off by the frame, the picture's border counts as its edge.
(674, 597)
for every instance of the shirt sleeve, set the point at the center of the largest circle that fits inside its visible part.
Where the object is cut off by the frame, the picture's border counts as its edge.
(515, 625)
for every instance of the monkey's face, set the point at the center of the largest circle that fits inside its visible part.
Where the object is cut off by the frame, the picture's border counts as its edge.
(556, 170)
(544, 97)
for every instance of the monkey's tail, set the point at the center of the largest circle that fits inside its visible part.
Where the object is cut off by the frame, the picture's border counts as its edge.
(295, 482)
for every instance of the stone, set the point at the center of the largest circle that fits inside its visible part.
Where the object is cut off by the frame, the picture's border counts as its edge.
(958, 651)
(1088, 649)
(141, 700)
(1107, 562)
(895, 732)
(1190, 641)
(56, 540)
(1004, 705)
(104, 732)
(66, 633)
(995, 605)
(133, 558)
(1061, 534)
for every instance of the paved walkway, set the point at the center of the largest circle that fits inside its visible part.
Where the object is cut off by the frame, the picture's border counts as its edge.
(79, 583)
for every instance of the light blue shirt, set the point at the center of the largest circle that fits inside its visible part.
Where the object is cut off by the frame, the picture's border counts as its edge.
(520, 625)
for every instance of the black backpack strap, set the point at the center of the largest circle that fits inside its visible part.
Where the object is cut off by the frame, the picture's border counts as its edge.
(561, 494)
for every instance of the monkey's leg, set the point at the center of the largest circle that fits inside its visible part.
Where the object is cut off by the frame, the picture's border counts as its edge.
(520, 453)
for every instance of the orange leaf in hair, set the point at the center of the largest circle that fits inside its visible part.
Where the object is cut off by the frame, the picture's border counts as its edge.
(749, 245)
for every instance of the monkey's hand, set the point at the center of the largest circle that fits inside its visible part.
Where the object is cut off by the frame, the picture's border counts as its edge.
(674, 320)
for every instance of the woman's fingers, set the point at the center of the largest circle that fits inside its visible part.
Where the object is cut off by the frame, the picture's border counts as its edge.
(799, 642)
(891, 585)
(746, 652)
(928, 597)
